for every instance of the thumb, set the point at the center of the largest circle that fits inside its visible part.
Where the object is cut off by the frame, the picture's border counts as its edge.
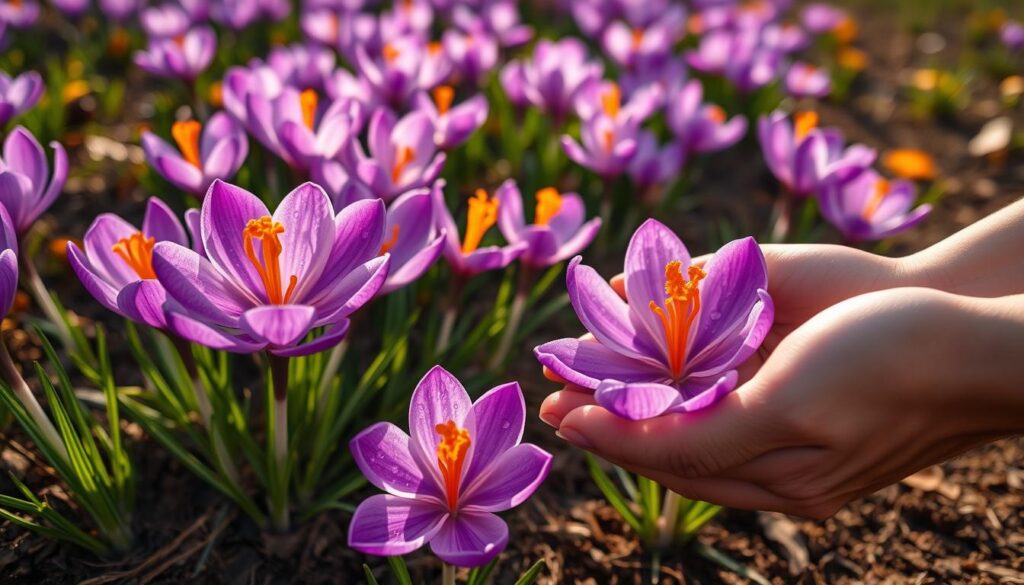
(687, 445)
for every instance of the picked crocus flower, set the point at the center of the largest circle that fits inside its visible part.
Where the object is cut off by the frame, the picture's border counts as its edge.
(26, 187)
(805, 80)
(165, 21)
(411, 237)
(20, 14)
(559, 229)
(609, 129)
(556, 73)
(1012, 34)
(19, 94)
(203, 154)
(297, 129)
(183, 57)
(645, 46)
(676, 344)
(701, 127)
(402, 154)
(116, 266)
(870, 207)
(405, 66)
(820, 18)
(465, 256)
(266, 281)
(461, 462)
(804, 157)
(453, 124)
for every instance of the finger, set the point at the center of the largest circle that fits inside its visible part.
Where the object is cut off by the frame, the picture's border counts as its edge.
(618, 283)
(561, 403)
(550, 375)
(684, 444)
(700, 261)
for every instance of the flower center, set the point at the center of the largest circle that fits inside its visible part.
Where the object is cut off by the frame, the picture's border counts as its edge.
(881, 190)
(434, 48)
(443, 97)
(137, 252)
(267, 263)
(390, 52)
(715, 113)
(611, 100)
(386, 246)
(549, 202)
(308, 101)
(451, 455)
(803, 123)
(403, 156)
(180, 41)
(186, 135)
(482, 214)
(805, 72)
(638, 38)
(681, 308)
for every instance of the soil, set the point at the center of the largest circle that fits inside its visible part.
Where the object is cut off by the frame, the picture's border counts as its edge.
(960, 522)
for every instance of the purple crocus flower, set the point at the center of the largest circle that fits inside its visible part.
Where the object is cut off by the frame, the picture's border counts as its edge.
(701, 127)
(183, 57)
(26, 186)
(610, 128)
(558, 231)
(258, 82)
(116, 266)
(819, 17)
(453, 124)
(18, 95)
(805, 80)
(500, 18)
(676, 344)
(239, 14)
(402, 154)
(555, 74)
(21, 14)
(461, 462)
(405, 66)
(8, 263)
(407, 17)
(298, 130)
(513, 82)
(266, 281)
(303, 66)
(1012, 34)
(412, 238)
(653, 164)
(165, 21)
(473, 53)
(203, 154)
(645, 46)
(740, 55)
(119, 10)
(804, 157)
(466, 257)
(869, 207)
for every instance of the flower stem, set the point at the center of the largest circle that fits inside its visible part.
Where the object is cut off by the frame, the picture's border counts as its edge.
(447, 574)
(330, 370)
(13, 377)
(279, 376)
(45, 301)
(782, 216)
(668, 520)
(451, 312)
(515, 317)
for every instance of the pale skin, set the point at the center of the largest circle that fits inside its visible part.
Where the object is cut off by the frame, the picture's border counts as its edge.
(874, 369)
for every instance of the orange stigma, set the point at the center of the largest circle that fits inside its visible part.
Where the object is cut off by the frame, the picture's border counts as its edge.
(434, 48)
(186, 135)
(482, 214)
(267, 263)
(390, 52)
(881, 190)
(715, 113)
(308, 101)
(443, 97)
(137, 252)
(638, 37)
(803, 123)
(403, 156)
(549, 202)
(386, 246)
(681, 308)
(451, 455)
(611, 100)
(180, 41)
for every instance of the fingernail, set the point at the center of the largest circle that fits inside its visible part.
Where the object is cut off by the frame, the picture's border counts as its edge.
(574, 437)
(550, 419)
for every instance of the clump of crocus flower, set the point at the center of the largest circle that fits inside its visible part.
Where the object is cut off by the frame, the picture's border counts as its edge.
(26, 187)
(553, 76)
(203, 154)
(674, 344)
(869, 207)
(453, 123)
(559, 229)
(805, 80)
(700, 127)
(19, 94)
(183, 57)
(402, 154)
(460, 463)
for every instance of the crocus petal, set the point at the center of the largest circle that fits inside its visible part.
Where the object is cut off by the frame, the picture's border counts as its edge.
(439, 397)
(201, 333)
(471, 539)
(143, 302)
(383, 454)
(105, 231)
(698, 394)
(509, 480)
(578, 242)
(511, 220)
(414, 267)
(359, 229)
(161, 223)
(97, 285)
(729, 291)
(8, 280)
(387, 525)
(637, 400)
(193, 281)
(586, 363)
(733, 347)
(354, 290)
(308, 219)
(226, 211)
(500, 416)
(331, 337)
(279, 325)
(183, 174)
(652, 247)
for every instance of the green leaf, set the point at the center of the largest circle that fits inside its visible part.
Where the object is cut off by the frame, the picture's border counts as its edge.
(370, 579)
(479, 575)
(718, 557)
(612, 494)
(531, 575)
(401, 571)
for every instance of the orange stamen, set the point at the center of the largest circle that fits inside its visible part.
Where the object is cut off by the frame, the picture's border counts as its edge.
(803, 123)
(390, 52)
(910, 163)
(482, 214)
(137, 252)
(308, 101)
(434, 48)
(715, 113)
(638, 38)
(611, 100)
(881, 190)
(443, 97)
(681, 308)
(549, 202)
(267, 263)
(186, 135)
(180, 41)
(404, 156)
(451, 455)
(386, 246)
(608, 137)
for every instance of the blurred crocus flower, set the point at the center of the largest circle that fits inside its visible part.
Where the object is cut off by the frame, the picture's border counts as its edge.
(120, 10)
(411, 237)
(8, 263)
(302, 65)
(460, 463)
(404, 66)
(500, 18)
(653, 164)
(116, 266)
(453, 124)
(165, 21)
(513, 82)
(559, 229)
(402, 156)
(23, 13)
(407, 17)
(183, 57)
(473, 53)
(676, 344)
(555, 74)
(466, 257)
(1012, 34)
(819, 17)
(635, 46)
(741, 56)
(203, 154)
(592, 16)
(299, 130)
(239, 14)
(869, 207)
(804, 157)
(701, 127)
(258, 82)
(805, 80)
(266, 281)
(609, 128)
(19, 94)
(26, 186)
